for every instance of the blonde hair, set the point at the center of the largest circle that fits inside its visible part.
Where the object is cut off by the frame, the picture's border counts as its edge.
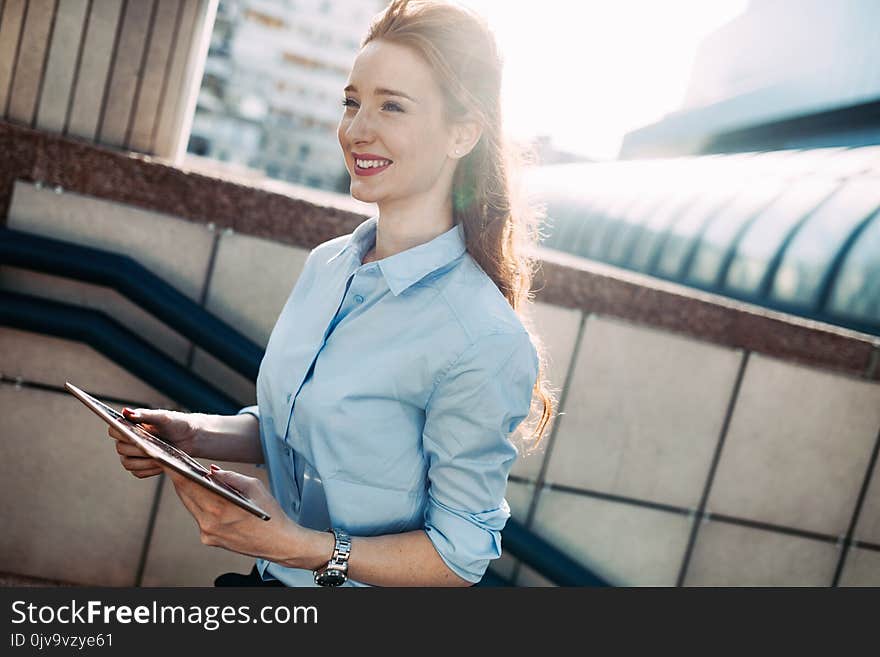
(499, 225)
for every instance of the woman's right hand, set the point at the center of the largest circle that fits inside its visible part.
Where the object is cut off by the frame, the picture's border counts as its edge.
(179, 429)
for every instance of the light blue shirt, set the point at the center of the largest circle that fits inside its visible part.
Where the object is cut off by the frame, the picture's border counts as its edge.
(386, 397)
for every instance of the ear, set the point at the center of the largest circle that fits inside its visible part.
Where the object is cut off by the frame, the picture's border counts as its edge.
(465, 135)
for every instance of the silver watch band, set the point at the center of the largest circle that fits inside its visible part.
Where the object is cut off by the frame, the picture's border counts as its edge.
(341, 550)
(335, 572)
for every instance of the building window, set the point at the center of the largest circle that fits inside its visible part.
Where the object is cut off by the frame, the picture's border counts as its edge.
(199, 145)
(264, 19)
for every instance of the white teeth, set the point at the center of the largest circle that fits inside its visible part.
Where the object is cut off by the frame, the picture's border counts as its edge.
(370, 164)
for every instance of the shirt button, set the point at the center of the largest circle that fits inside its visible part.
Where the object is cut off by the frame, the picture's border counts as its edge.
(359, 298)
(289, 395)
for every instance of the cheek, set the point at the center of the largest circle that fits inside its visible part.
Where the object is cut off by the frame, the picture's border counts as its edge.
(340, 133)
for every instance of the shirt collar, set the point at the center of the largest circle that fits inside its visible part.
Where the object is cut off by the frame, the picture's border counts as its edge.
(410, 266)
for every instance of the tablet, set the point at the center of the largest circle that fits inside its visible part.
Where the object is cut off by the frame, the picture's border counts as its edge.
(160, 450)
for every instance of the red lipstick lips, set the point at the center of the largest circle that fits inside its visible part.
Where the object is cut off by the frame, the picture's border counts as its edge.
(369, 171)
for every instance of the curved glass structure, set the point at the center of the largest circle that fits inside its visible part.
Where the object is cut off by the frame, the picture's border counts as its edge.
(855, 292)
(765, 235)
(793, 230)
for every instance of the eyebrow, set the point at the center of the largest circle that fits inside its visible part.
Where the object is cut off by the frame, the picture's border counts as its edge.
(382, 91)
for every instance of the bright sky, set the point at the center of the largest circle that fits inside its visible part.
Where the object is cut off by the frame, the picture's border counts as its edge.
(586, 72)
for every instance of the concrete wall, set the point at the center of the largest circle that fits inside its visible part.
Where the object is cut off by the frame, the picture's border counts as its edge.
(682, 462)
(122, 73)
(676, 460)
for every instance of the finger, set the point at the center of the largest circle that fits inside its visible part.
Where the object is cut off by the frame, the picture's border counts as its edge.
(143, 474)
(137, 463)
(240, 482)
(117, 435)
(128, 449)
(146, 416)
(183, 487)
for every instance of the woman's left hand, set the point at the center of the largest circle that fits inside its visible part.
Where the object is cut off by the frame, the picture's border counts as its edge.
(224, 524)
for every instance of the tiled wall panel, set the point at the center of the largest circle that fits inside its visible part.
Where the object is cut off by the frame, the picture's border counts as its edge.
(70, 511)
(240, 388)
(732, 555)
(643, 414)
(868, 525)
(558, 328)
(251, 281)
(51, 361)
(626, 544)
(798, 447)
(862, 568)
(176, 556)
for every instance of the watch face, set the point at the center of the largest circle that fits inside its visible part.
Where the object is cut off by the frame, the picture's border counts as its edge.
(331, 578)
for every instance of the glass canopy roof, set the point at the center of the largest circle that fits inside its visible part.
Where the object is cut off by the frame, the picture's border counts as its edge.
(793, 230)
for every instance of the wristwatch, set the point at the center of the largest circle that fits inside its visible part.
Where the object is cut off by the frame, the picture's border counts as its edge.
(336, 570)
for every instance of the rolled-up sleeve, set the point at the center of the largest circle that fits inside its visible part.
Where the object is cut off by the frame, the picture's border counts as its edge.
(482, 397)
(251, 410)
(255, 411)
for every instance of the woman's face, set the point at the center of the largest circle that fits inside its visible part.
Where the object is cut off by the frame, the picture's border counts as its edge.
(393, 118)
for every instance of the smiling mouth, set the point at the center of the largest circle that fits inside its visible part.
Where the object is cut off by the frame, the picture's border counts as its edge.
(370, 167)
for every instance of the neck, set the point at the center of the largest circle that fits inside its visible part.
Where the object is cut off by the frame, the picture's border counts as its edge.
(399, 229)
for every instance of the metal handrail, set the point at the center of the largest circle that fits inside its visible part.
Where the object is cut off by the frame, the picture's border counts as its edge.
(121, 345)
(547, 559)
(141, 286)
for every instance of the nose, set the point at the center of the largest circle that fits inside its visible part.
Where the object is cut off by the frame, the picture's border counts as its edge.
(360, 128)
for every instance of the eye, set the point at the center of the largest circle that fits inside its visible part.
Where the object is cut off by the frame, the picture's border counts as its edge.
(387, 105)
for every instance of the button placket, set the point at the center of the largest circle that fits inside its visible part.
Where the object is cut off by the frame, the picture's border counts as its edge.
(367, 270)
(327, 331)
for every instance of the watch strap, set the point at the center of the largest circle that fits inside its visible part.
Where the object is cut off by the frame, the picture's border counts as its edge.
(341, 550)
(336, 570)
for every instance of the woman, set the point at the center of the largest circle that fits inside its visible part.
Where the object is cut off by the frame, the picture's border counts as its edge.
(399, 366)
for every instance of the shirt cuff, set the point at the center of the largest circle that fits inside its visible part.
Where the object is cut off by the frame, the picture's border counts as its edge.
(255, 411)
(251, 410)
(477, 537)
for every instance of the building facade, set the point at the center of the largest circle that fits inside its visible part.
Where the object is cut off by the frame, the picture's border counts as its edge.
(784, 74)
(271, 96)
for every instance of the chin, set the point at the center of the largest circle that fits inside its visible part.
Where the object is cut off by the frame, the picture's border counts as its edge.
(364, 198)
(364, 195)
